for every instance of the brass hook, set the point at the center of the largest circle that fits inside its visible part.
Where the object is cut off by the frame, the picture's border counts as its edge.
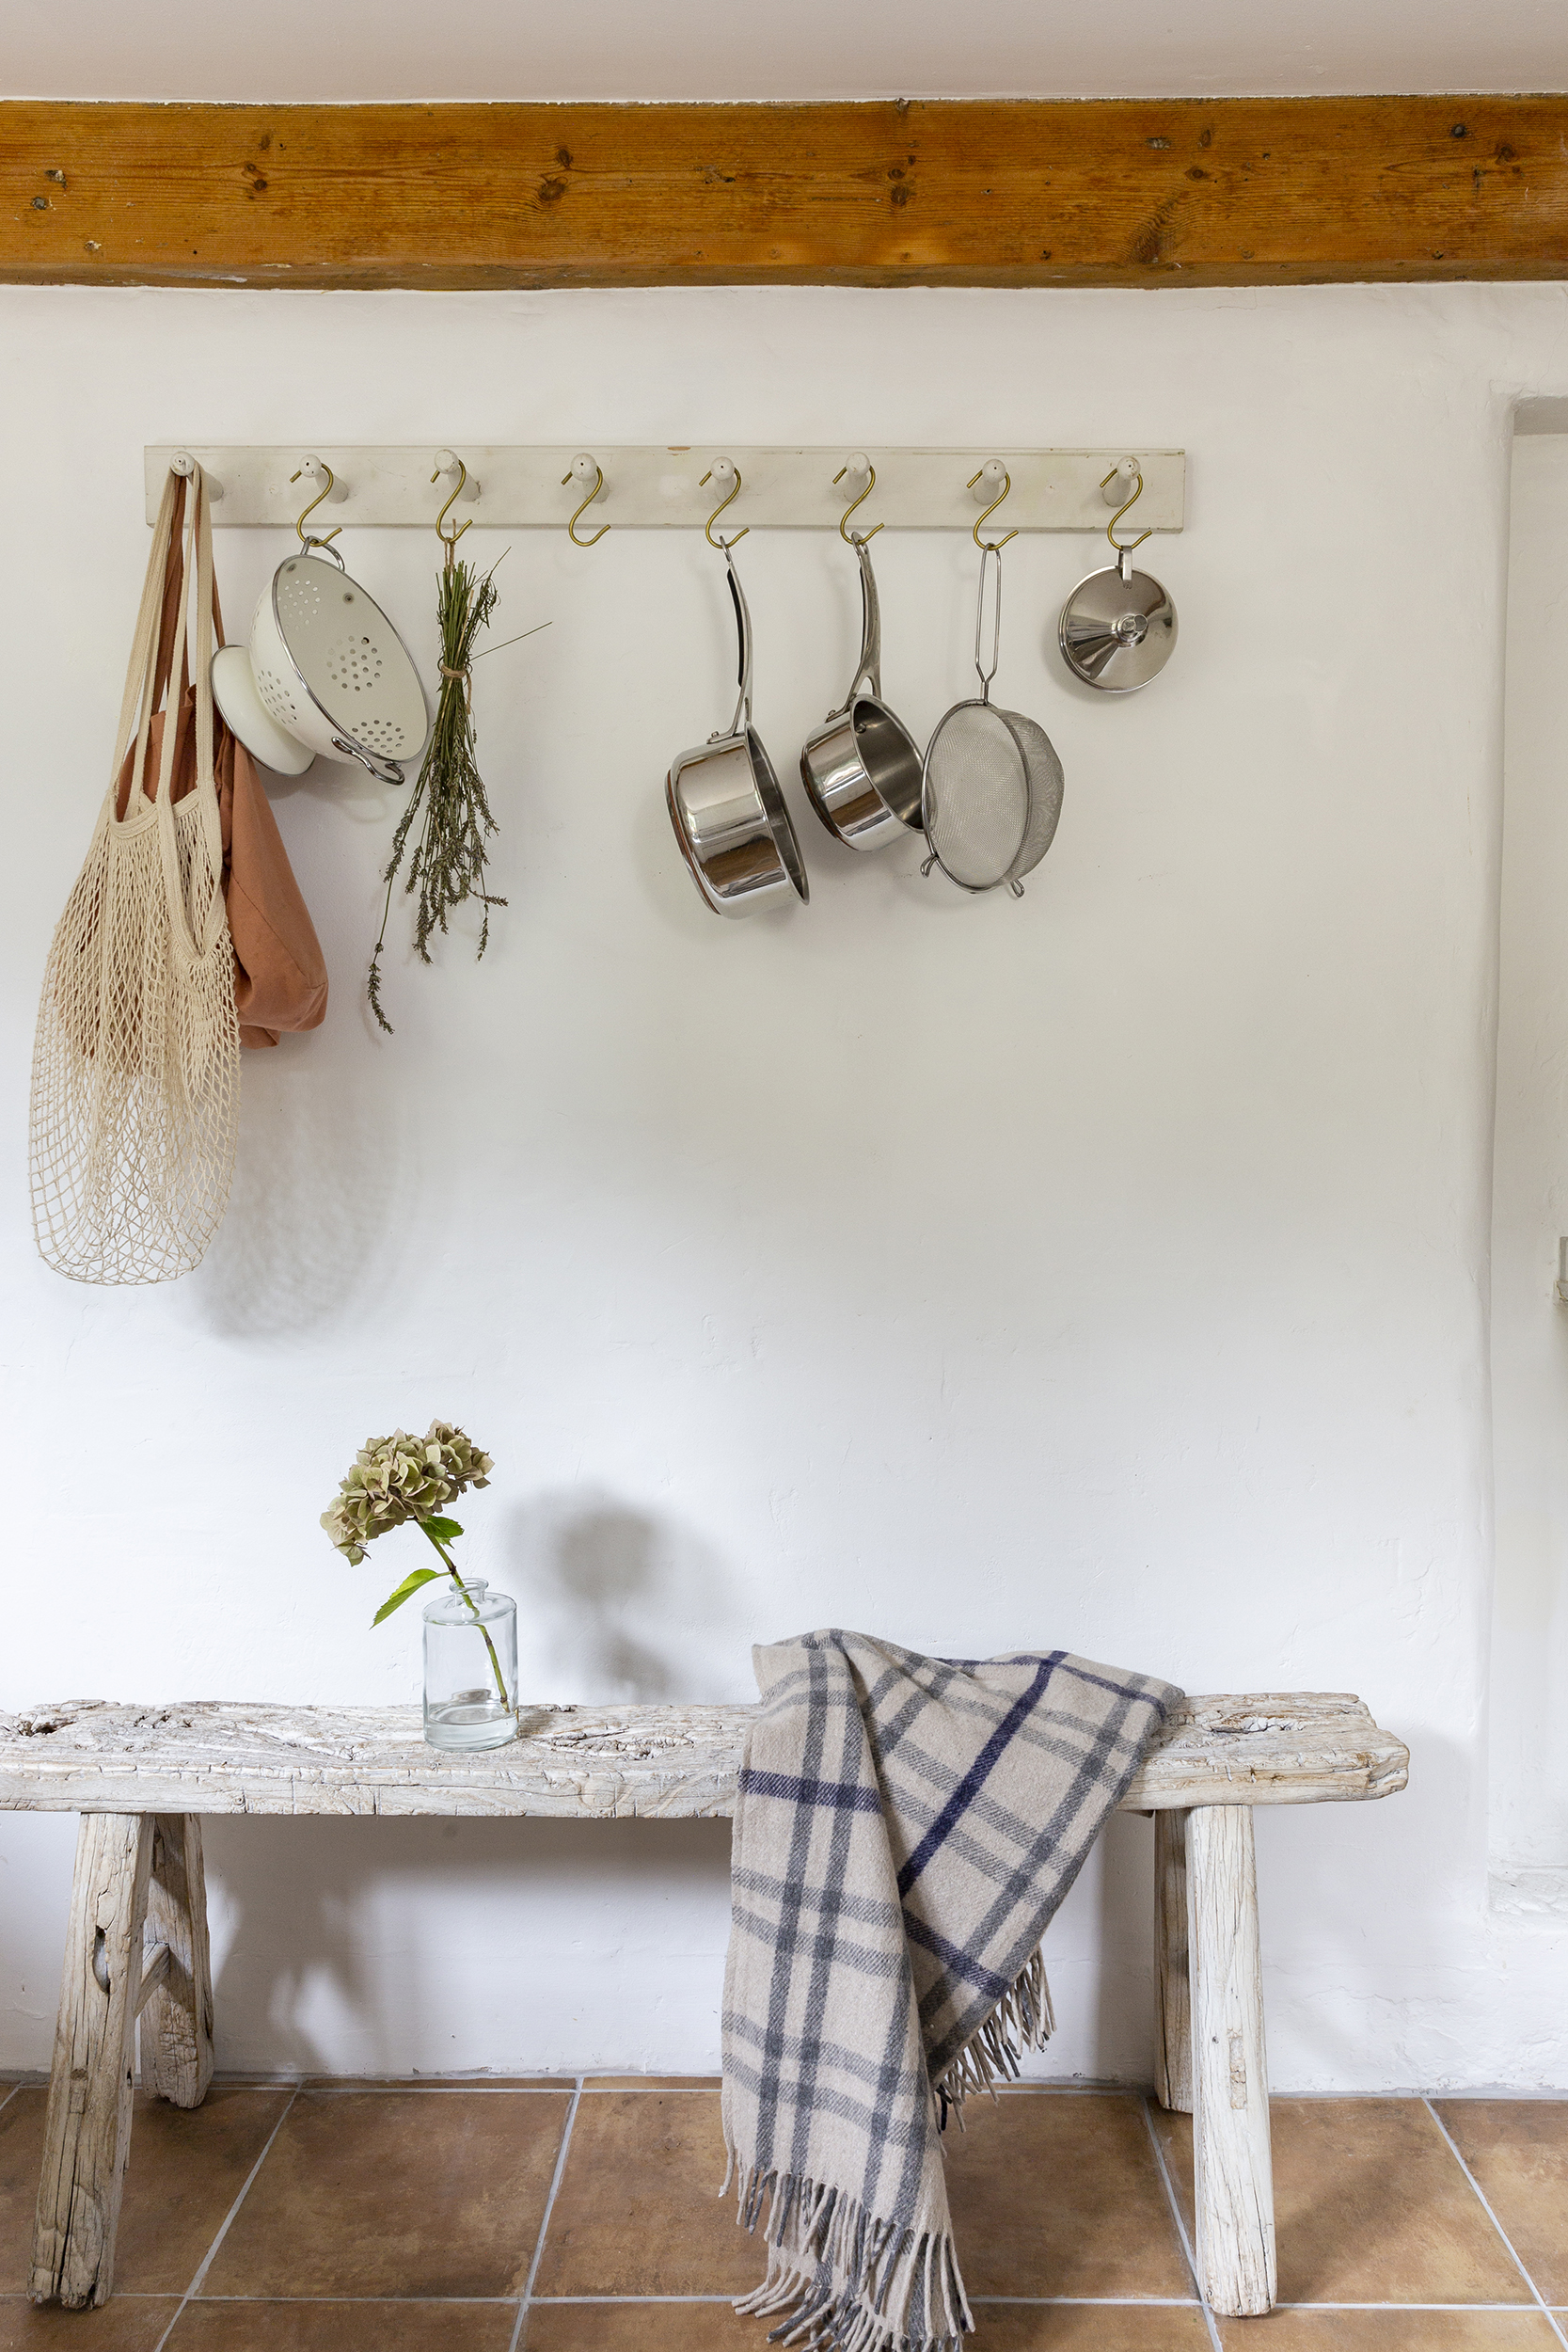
(449, 538)
(857, 538)
(1127, 547)
(315, 539)
(992, 547)
(723, 546)
(572, 526)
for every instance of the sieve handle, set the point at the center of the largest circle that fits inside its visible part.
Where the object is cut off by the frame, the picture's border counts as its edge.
(987, 553)
(742, 719)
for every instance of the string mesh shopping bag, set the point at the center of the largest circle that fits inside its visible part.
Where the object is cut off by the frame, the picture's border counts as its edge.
(136, 1055)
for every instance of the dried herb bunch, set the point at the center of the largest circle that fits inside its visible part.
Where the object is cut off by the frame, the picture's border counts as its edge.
(448, 865)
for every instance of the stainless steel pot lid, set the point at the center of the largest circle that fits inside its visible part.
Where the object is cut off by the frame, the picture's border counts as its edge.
(1117, 628)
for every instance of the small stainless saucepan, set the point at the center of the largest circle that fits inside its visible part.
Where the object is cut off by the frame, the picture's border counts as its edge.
(861, 768)
(726, 807)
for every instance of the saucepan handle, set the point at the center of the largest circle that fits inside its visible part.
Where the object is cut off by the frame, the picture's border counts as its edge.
(868, 673)
(868, 669)
(742, 719)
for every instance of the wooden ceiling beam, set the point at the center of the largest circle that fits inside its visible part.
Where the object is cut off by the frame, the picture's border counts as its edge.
(1149, 192)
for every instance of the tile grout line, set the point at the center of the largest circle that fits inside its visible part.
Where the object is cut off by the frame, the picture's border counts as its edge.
(981, 2302)
(1486, 2203)
(1169, 2187)
(544, 2218)
(207, 2259)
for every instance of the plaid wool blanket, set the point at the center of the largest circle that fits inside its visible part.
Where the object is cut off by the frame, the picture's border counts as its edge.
(905, 1829)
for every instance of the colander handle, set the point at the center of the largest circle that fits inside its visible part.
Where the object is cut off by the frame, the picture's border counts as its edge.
(743, 624)
(383, 771)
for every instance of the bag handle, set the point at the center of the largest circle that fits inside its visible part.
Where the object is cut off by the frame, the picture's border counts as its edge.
(176, 659)
(195, 937)
(144, 645)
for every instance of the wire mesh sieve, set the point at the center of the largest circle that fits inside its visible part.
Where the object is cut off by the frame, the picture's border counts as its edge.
(991, 789)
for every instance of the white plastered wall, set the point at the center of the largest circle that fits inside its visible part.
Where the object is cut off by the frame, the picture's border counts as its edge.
(1528, 1749)
(1109, 1269)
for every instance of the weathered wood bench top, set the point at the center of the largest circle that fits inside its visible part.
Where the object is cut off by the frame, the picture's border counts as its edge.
(599, 1762)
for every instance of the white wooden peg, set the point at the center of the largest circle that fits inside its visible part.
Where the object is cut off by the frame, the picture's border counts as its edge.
(183, 463)
(447, 463)
(987, 483)
(312, 470)
(1123, 481)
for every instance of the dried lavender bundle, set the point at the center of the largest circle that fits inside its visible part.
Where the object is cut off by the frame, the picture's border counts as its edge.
(448, 865)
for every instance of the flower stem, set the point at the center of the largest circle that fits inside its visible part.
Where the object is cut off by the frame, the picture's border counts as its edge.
(451, 1566)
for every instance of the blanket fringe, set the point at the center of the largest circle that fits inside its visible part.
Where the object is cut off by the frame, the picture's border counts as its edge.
(840, 2280)
(1021, 2020)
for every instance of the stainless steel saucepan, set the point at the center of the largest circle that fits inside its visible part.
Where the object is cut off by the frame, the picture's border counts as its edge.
(726, 807)
(861, 767)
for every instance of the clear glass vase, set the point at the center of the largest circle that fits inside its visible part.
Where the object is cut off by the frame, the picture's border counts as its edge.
(470, 1667)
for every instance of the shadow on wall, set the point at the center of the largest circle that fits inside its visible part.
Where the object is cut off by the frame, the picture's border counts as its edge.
(316, 1196)
(629, 1606)
(396, 1946)
(1121, 2034)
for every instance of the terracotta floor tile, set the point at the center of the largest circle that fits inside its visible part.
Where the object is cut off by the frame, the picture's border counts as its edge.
(651, 2082)
(125, 2324)
(187, 2166)
(1390, 2331)
(1088, 2327)
(1370, 2206)
(396, 2194)
(640, 2327)
(638, 2211)
(1518, 2151)
(714, 2327)
(439, 2082)
(21, 2154)
(344, 2327)
(1056, 2194)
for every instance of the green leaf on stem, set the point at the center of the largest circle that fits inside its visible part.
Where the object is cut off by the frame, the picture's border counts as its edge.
(410, 1585)
(443, 1530)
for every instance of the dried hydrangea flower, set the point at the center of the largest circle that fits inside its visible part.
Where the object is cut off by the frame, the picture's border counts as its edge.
(403, 1481)
(401, 1478)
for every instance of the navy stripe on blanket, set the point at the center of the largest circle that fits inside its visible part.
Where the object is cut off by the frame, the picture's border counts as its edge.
(843, 1796)
(979, 1774)
(955, 1959)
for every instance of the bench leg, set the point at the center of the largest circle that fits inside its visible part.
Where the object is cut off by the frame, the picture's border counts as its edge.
(86, 2136)
(1173, 2053)
(177, 2019)
(1233, 2183)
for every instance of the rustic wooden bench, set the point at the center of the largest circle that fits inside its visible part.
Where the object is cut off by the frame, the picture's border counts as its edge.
(141, 1778)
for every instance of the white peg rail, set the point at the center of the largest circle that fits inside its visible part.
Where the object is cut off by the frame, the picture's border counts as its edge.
(660, 489)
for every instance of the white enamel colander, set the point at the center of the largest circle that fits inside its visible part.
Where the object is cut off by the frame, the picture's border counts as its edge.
(324, 671)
